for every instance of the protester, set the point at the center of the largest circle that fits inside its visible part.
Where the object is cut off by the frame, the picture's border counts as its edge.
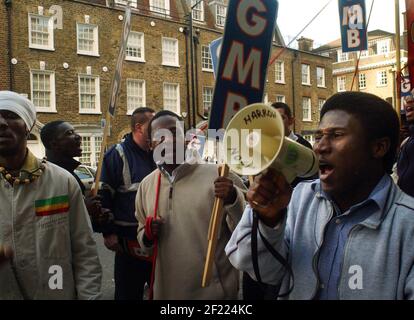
(124, 166)
(46, 245)
(62, 144)
(348, 235)
(184, 194)
(405, 163)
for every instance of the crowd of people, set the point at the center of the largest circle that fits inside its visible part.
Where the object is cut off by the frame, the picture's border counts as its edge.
(346, 233)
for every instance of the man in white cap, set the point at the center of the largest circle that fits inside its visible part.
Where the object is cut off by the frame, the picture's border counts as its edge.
(46, 245)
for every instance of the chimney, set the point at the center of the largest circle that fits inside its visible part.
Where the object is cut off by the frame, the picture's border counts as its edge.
(305, 44)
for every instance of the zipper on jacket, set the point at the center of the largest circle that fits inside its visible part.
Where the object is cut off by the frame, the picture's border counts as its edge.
(345, 256)
(315, 259)
(170, 199)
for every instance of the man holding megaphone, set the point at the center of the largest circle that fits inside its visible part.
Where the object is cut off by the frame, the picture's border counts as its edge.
(347, 235)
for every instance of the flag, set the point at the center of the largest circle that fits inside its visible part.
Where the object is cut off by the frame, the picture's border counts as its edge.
(352, 16)
(409, 8)
(116, 82)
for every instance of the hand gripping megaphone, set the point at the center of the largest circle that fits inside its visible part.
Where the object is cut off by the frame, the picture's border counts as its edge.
(255, 140)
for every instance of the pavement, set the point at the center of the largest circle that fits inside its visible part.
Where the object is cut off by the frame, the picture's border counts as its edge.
(107, 259)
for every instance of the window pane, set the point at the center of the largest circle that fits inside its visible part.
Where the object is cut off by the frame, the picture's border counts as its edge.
(135, 94)
(39, 30)
(87, 93)
(206, 61)
(41, 93)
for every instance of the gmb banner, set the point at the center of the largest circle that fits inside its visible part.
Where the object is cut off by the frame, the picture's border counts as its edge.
(352, 15)
(244, 56)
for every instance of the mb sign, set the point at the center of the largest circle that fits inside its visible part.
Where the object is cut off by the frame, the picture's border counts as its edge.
(244, 57)
(352, 14)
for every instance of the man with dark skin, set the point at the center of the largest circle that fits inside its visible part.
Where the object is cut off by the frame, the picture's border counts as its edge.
(186, 194)
(62, 144)
(342, 232)
(43, 218)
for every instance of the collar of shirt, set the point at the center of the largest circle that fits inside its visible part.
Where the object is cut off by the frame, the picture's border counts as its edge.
(293, 136)
(175, 173)
(378, 196)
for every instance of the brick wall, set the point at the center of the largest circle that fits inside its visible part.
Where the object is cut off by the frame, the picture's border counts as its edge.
(4, 55)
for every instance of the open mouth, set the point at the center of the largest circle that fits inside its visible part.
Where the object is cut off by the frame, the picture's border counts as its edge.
(325, 169)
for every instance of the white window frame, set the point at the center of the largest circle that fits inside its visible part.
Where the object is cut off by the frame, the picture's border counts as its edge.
(342, 56)
(168, 63)
(207, 101)
(206, 60)
(280, 98)
(199, 8)
(380, 78)
(309, 109)
(362, 79)
(165, 11)
(220, 16)
(93, 154)
(308, 81)
(266, 98)
(52, 90)
(280, 63)
(95, 51)
(178, 105)
(323, 79)
(132, 3)
(339, 81)
(383, 43)
(97, 109)
(141, 44)
(310, 138)
(129, 94)
(51, 43)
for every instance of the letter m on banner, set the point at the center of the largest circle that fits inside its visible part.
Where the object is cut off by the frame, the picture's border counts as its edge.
(352, 15)
(244, 56)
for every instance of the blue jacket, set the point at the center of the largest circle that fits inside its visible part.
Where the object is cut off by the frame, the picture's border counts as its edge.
(378, 261)
(120, 184)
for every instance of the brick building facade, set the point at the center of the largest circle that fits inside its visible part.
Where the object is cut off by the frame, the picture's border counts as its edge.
(65, 65)
(376, 69)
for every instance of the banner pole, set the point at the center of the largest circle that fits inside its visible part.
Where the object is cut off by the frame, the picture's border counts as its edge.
(397, 56)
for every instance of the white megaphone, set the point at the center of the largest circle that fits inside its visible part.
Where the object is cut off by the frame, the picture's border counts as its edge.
(255, 140)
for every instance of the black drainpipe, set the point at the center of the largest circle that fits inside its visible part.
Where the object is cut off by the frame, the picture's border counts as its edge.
(8, 4)
(295, 55)
(187, 79)
(196, 42)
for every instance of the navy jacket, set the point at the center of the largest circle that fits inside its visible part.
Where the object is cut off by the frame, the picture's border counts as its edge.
(120, 184)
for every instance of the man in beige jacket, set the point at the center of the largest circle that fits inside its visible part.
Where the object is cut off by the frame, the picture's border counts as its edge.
(46, 245)
(186, 197)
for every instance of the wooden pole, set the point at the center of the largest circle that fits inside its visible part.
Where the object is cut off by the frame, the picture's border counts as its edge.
(397, 57)
(216, 217)
(95, 188)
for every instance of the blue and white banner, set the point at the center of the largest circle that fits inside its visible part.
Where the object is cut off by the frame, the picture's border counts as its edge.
(244, 56)
(116, 81)
(352, 15)
(215, 47)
